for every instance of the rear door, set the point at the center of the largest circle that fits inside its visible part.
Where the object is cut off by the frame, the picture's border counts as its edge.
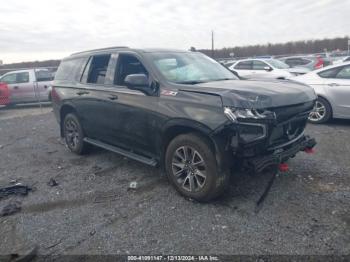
(134, 113)
(43, 84)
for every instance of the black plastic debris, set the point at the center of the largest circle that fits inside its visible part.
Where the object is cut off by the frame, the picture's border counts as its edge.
(18, 190)
(52, 182)
(25, 256)
(10, 209)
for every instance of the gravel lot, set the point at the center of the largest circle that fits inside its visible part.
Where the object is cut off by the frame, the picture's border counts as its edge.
(92, 211)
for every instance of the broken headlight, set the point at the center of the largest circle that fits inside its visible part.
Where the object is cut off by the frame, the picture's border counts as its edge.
(235, 114)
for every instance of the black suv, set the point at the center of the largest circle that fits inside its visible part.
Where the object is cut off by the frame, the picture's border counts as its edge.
(181, 111)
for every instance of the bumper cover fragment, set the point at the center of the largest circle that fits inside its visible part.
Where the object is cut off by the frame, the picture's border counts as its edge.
(258, 164)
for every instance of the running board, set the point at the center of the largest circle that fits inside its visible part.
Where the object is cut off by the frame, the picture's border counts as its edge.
(123, 152)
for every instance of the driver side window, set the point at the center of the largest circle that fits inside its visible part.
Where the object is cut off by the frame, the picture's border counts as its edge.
(258, 65)
(344, 73)
(127, 65)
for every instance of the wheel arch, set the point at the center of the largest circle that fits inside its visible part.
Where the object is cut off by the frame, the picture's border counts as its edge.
(64, 110)
(176, 128)
(328, 101)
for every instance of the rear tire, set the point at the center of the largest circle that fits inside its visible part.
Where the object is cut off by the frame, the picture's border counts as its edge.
(321, 112)
(191, 167)
(74, 135)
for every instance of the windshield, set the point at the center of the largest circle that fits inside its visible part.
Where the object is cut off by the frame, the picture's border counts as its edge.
(277, 64)
(190, 68)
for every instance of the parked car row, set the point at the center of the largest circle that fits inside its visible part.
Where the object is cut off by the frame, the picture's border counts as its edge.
(265, 68)
(25, 86)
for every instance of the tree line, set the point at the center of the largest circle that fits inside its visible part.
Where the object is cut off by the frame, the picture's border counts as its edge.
(292, 47)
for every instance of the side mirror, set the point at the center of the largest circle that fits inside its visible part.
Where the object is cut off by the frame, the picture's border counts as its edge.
(267, 68)
(139, 82)
(136, 81)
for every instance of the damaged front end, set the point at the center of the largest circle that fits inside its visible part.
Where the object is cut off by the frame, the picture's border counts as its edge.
(260, 138)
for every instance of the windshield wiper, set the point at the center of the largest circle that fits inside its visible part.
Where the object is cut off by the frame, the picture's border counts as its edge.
(190, 82)
(223, 79)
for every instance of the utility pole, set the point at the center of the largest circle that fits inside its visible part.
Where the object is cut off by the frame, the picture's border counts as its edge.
(212, 43)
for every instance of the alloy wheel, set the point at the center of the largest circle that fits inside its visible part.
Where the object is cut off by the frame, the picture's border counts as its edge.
(318, 112)
(72, 133)
(189, 168)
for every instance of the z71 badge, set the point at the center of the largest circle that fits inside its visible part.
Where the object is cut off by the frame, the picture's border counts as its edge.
(168, 93)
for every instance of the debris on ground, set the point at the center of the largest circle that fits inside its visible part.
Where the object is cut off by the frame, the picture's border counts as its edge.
(55, 244)
(266, 191)
(17, 189)
(14, 181)
(132, 185)
(26, 256)
(52, 182)
(51, 152)
(10, 209)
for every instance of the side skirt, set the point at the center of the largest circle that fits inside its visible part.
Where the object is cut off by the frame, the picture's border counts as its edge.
(123, 152)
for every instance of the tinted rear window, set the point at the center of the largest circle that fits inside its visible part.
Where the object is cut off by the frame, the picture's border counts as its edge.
(43, 75)
(71, 69)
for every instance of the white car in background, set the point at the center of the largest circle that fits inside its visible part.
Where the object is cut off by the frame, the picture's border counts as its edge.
(332, 85)
(265, 68)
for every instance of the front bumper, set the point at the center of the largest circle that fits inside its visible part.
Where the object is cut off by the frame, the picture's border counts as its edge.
(278, 154)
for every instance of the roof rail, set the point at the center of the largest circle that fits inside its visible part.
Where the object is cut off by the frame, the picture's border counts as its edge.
(99, 49)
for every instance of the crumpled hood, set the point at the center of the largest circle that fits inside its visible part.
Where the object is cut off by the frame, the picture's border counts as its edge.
(256, 94)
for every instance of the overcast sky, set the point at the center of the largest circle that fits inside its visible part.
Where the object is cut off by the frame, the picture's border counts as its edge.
(43, 29)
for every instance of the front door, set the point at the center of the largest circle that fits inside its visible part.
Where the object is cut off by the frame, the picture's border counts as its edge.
(134, 112)
(338, 88)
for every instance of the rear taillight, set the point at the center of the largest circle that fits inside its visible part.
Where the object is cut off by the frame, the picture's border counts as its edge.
(54, 95)
(319, 63)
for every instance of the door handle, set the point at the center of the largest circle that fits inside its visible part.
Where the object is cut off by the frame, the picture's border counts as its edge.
(82, 93)
(333, 84)
(113, 97)
(15, 87)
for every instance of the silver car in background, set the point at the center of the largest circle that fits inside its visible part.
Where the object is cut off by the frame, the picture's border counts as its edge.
(332, 85)
(27, 86)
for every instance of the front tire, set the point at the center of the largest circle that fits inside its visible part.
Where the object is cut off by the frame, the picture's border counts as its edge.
(321, 112)
(74, 135)
(191, 167)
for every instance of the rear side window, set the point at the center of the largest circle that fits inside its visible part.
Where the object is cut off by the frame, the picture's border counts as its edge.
(297, 61)
(245, 65)
(71, 69)
(97, 69)
(43, 75)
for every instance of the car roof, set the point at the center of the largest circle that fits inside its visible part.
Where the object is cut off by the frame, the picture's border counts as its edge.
(17, 71)
(299, 56)
(125, 48)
